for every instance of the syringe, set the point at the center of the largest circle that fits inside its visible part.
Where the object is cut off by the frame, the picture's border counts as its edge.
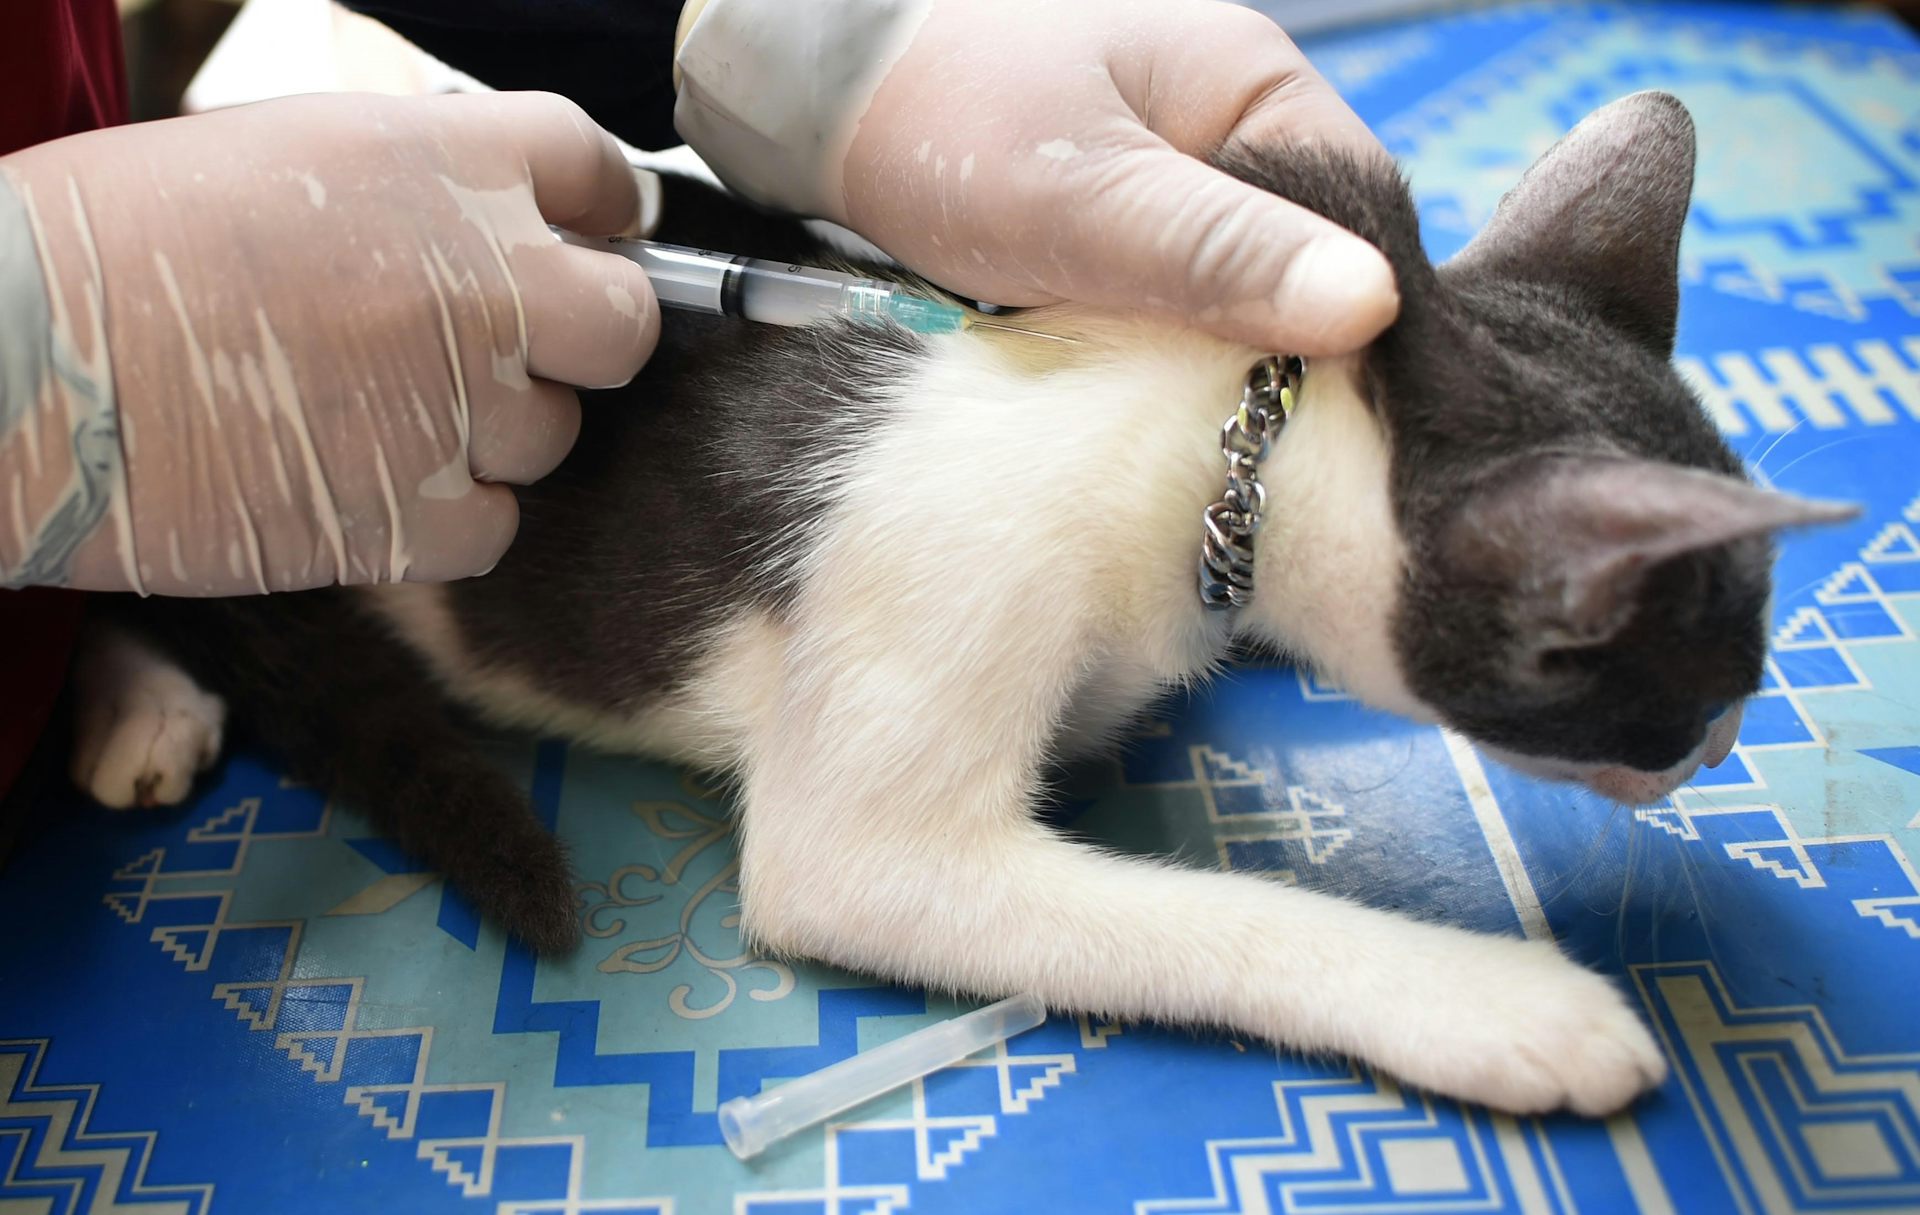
(782, 293)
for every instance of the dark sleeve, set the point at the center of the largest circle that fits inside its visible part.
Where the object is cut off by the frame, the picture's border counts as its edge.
(613, 57)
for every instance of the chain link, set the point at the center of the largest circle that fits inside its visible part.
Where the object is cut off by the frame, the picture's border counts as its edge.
(1226, 553)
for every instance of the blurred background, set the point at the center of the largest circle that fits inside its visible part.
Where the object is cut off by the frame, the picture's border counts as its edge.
(169, 43)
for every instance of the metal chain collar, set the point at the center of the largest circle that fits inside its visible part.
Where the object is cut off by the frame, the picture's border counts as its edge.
(1226, 555)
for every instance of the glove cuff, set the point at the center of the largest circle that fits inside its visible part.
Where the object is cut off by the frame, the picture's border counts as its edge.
(770, 91)
(51, 383)
(25, 322)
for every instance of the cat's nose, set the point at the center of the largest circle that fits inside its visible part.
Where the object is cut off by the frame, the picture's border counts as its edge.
(1722, 734)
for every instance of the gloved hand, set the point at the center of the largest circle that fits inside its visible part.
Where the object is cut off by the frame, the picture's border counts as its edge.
(1022, 152)
(302, 342)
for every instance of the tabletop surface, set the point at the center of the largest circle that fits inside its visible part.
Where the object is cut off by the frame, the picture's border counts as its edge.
(253, 1005)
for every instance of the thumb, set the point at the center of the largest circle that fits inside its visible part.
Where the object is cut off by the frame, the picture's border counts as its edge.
(1170, 233)
(458, 537)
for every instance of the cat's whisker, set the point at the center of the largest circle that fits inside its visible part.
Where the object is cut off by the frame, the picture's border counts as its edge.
(1626, 897)
(1759, 464)
(1824, 447)
(1802, 589)
(1587, 901)
(1675, 893)
(1565, 882)
(1692, 871)
(1688, 866)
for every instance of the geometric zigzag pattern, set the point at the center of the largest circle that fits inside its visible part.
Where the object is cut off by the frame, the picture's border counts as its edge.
(57, 1165)
(1590, 51)
(457, 1127)
(1357, 1142)
(1253, 828)
(315, 1020)
(1868, 871)
(1805, 1124)
(1810, 1126)
(1813, 653)
(939, 1140)
(1826, 385)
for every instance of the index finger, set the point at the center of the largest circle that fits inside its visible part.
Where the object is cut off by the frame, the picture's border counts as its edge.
(581, 178)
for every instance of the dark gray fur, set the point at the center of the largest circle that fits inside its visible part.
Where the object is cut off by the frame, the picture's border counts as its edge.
(1548, 340)
(675, 510)
(1541, 355)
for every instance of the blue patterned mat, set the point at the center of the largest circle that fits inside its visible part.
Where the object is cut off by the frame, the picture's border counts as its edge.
(253, 1006)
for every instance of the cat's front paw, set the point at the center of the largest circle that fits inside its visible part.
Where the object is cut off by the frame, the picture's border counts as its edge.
(1517, 1026)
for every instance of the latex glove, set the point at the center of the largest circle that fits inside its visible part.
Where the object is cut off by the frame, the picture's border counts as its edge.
(302, 342)
(1023, 152)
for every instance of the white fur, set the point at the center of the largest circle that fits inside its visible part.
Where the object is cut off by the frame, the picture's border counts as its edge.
(1007, 567)
(1329, 558)
(144, 729)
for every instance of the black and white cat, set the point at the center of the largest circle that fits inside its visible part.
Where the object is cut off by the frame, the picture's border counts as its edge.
(884, 580)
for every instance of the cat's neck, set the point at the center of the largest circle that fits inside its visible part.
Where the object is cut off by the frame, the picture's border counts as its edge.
(1329, 558)
(1123, 426)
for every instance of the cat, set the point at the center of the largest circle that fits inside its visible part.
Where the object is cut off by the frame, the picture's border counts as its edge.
(883, 580)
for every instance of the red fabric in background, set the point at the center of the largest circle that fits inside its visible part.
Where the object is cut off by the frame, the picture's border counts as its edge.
(61, 72)
(37, 630)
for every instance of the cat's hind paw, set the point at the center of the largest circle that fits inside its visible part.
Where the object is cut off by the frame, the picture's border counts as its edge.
(144, 729)
(516, 875)
(536, 903)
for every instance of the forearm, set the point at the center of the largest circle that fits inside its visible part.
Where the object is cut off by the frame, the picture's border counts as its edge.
(193, 404)
(62, 478)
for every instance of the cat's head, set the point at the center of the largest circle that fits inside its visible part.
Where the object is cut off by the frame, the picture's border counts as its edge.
(1587, 570)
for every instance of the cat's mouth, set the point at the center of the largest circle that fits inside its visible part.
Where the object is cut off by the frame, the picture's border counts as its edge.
(1633, 786)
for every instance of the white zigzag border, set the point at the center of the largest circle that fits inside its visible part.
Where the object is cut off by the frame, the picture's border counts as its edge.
(236, 825)
(929, 1164)
(1853, 582)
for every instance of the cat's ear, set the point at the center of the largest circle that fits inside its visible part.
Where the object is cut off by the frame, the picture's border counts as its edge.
(1600, 213)
(1575, 535)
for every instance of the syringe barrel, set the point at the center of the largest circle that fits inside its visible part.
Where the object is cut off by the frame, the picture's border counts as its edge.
(773, 293)
(690, 278)
(750, 1124)
(695, 279)
(780, 293)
